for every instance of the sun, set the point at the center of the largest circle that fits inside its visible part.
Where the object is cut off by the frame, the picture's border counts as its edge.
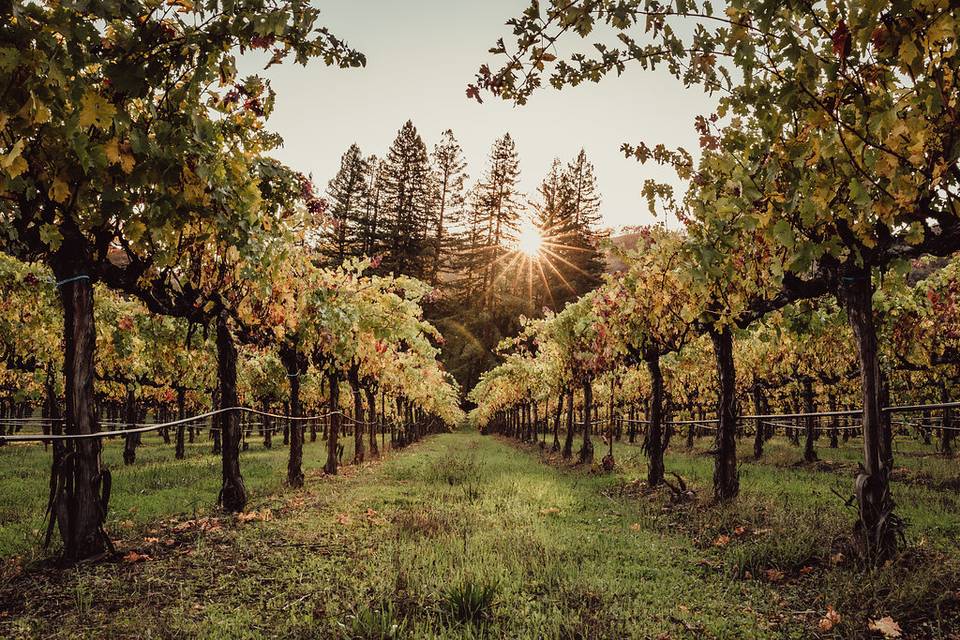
(530, 240)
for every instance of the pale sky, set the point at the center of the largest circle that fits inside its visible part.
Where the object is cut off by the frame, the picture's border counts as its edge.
(420, 56)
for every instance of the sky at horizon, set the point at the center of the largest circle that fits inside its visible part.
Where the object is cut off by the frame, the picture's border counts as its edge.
(420, 57)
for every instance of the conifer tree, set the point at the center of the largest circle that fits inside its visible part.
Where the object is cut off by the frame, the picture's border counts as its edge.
(406, 205)
(581, 203)
(347, 193)
(568, 212)
(368, 233)
(449, 168)
(550, 217)
(499, 205)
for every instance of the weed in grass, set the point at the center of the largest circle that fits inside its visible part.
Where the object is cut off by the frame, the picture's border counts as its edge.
(426, 522)
(470, 601)
(378, 623)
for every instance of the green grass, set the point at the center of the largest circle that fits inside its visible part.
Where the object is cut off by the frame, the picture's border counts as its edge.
(156, 486)
(464, 536)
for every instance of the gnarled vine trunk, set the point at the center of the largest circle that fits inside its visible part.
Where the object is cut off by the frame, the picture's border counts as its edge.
(809, 453)
(758, 436)
(233, 493)
(726, 479)
(131, 440)
(181, 428)
(372, 417)
(556, 423)
(568, 440)
(878, 526)
(333, 433)
(946, 431)
(291, 363)
(586, 449)
(654, 440)
(358, 427)
(80, 487)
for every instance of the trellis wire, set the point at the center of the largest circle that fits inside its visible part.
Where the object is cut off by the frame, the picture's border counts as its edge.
(147, 428)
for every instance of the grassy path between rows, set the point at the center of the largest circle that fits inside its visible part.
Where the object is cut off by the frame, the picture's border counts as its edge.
(457, 527)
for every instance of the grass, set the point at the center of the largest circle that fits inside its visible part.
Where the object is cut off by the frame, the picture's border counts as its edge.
(156, 486)
(464, 536)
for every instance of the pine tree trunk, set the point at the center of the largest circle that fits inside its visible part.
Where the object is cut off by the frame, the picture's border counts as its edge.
(586, 449)
(233, 493)
(876, 526)
(82, 487)
(726, 480)
(655, 472)
(334, 430)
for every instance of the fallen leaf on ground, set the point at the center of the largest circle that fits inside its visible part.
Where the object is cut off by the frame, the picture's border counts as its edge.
(636, 526)
(774, 575)
(151, 540)
(549, 511)
(739, 531)
(249, 516)
(722, 540)
(133, 556)
(830, 620)
(344, 519)
(806, 570)
(887, 626)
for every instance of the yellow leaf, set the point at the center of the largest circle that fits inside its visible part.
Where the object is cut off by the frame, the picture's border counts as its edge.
(96, 111)
(112, 150)
(18, 166)
(127, 162)
(134, 230)
(59, 191)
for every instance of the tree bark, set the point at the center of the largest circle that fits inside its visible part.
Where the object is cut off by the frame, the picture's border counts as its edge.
(291, 360)
(353, 378)
(556, 423)
(654, 441)
(334, 430)
(946, 433)
(834, 421)
(181, 428)
(372, 416)
(726, 479)
(809, 453)
(586, 449)
(267, 422)
(233, 493)
(758, 436)
(130, 441)
(81, 487)
(878, 526)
